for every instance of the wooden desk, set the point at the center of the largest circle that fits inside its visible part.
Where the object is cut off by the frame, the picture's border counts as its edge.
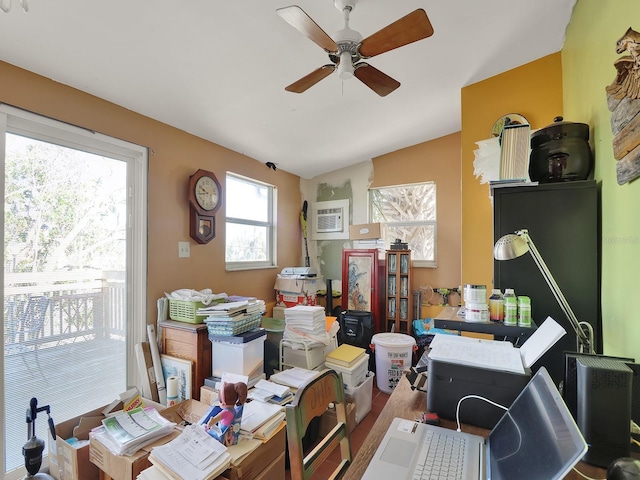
(409, 404)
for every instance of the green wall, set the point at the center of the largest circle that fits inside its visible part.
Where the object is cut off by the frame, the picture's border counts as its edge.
(588, 56)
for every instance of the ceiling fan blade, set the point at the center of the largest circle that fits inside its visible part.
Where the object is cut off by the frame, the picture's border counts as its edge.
(310, 80)
(379, 82)
(302, 22)
(410, 28)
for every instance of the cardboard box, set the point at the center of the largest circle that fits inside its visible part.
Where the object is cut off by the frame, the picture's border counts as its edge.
(265, 463)
(292, 290)
(71, 461)
(328, 420)
(208, 395)
(187, 411)
(365, 231)
(275, 471)
(121, 467)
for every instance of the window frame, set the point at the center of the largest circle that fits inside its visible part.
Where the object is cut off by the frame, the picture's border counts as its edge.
(422, 223)
(21, 122)
(270, 224)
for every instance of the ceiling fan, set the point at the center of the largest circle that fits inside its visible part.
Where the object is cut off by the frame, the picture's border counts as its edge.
(348, 50)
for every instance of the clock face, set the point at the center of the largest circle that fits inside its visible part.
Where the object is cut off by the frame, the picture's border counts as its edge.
(206, 193)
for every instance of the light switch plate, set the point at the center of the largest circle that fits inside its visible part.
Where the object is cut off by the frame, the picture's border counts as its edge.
(184, 249)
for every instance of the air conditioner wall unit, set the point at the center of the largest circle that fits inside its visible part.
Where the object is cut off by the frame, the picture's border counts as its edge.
(330, 220)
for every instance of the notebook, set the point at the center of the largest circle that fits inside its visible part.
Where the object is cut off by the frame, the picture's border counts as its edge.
(536, 438)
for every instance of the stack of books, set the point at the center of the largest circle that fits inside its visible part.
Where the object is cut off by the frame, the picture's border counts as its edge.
(345, 356)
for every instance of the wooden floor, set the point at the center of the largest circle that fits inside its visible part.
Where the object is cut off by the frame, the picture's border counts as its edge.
(62, 376)
(378, 401)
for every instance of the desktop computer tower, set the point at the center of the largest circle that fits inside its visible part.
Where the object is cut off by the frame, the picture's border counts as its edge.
(569, 387)
(603, 407)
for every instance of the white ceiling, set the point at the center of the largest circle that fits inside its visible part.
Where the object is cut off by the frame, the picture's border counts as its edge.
(218, 69)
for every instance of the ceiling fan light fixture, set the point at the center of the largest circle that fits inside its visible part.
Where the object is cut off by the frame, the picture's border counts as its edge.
(345, 67)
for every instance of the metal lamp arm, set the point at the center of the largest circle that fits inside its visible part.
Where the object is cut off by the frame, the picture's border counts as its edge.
(583, 340)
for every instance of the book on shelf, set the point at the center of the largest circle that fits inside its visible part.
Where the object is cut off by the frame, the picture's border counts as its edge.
(346, 355)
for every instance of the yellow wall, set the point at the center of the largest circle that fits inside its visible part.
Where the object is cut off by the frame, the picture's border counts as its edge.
(587, 61)
(533, 90)
(174, 155)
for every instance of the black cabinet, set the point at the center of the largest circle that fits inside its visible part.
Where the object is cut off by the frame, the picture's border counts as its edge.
(563, 220)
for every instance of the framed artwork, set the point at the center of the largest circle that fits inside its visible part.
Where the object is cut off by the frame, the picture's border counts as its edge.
(360, 280)
(181, 369)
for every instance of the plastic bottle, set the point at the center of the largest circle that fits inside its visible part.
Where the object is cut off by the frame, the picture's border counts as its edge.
(496, 306)
(510, 308)
(524, 311)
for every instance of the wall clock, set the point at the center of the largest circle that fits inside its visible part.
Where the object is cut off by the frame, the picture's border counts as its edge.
(205, 197)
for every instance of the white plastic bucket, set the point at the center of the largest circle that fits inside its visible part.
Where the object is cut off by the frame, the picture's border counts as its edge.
(394, 354)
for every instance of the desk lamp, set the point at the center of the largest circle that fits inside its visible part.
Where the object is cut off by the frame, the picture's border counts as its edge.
(515, 245)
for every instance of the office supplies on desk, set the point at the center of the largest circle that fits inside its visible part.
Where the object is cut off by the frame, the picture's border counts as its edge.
(537, 438)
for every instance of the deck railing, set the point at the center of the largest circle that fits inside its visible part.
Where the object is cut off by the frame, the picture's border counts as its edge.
(48, 309)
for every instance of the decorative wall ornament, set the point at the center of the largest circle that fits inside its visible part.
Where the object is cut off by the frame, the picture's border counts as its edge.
(623, 101)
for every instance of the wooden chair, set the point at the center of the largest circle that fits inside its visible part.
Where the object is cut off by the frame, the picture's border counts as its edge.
(311, 400)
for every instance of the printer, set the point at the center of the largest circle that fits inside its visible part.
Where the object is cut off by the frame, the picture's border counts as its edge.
(299, 272)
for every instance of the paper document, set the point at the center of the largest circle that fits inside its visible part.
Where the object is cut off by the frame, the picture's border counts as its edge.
(496, 355)
(491, 354)
(545, 336)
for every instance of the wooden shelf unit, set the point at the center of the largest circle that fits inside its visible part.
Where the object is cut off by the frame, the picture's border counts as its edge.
(399, 297)
(191, 342)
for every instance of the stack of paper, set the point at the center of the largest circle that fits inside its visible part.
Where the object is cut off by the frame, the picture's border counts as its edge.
(307, 324)
(260, 419)
(293, 377)
(127, 432)
(271, 392)
(194, 455)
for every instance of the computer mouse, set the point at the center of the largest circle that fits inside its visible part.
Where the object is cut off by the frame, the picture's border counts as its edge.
(625, 468)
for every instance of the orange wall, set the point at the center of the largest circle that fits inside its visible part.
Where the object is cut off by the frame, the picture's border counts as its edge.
(533, 90)
(439, 161)
(173, 156)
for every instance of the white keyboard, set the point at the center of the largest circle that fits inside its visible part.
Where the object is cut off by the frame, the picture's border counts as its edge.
(442, 457)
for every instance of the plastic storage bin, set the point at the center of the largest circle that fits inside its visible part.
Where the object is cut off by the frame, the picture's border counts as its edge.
(394, 355)
(361, 395)
(240, 358)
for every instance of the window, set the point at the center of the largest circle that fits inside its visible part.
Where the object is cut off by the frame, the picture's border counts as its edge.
(250, 223)
(409, 214)
(74, 272)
